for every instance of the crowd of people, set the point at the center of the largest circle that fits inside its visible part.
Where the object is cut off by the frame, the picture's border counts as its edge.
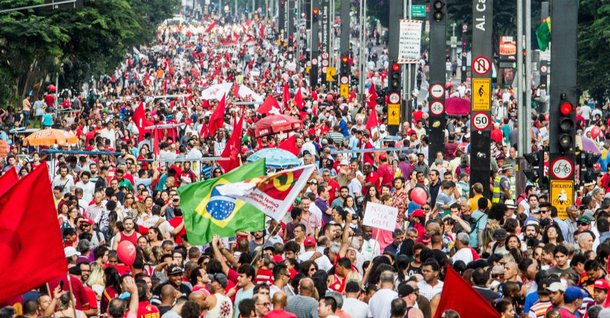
(321, 261)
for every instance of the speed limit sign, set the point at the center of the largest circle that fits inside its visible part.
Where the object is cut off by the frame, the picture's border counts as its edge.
(314, 62)
(481, 121)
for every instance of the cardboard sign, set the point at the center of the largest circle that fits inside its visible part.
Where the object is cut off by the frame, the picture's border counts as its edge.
(380, 216)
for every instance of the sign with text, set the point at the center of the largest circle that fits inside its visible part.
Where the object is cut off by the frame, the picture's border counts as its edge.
(562, 196)
(409, 43)
(380, 216)
(481, 94)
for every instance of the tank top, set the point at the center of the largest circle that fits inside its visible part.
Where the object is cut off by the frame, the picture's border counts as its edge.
(222, 309)
(133, 238)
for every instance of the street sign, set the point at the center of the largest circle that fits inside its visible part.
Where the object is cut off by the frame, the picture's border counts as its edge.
(394, 98)
(324, 62)
(418, 11)
(562, 168)
(437, 91)
(481, 121)
(409, 42)
(324, 70)
(344, 90)
(344, 79)
(562, 196)
(325, 56)
(314, 62)
(437, 108)
(393, 114)
(330, 74)
(481, 94)
(481, 65)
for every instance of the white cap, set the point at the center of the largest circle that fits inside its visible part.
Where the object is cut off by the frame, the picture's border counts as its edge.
(71, 251)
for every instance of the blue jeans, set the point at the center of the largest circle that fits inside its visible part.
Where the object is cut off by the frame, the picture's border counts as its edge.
(26, 118)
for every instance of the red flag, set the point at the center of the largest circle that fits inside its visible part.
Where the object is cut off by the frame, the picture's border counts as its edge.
(262, 31)
(314, 95)
(372, 122)
(32, 250)
(8, 180)
(235, 90)
(286, 97)
(211, 27)
(298, 99)
(233, 148)
(139, 118)
(372, 98)
(290, 144)
(455, 291)
(217, 119)
(269, 104)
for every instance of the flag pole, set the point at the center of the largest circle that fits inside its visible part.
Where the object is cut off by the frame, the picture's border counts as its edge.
(71, 295)
(258, 252)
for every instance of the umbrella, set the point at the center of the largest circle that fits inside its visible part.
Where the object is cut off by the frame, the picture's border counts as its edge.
(218, 90)
(588, 145)
(275, 124)
(276, 158)
(50, 137)
(457, 106)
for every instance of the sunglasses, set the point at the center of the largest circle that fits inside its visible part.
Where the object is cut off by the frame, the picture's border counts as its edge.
(582, 224)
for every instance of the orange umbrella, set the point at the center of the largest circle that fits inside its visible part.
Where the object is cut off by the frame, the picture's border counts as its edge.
(50, 137)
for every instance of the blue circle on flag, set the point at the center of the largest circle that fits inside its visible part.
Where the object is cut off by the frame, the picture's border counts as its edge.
(220, 207)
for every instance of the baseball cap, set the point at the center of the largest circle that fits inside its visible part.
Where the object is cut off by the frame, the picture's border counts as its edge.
(500, 235)
(510, 204)
(584, 219)
(405, 289)
(220, 278)
(556, 286)
(602, 284)
(175, 270)
(573, 293)
(71, 251)
(309, 242)
(419, 213)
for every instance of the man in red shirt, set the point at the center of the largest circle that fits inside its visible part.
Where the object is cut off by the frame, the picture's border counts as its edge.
(332, 185)
(385, 171)
(369, 157)
(279, 301)
(177, 222)
(371, 177)
(145, 309)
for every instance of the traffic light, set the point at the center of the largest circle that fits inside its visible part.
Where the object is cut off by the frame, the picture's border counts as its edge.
(535, 172)
(344, 65)
(315, 14)
(395, 78)
(438, 10)
(290, 41)
(567, 126)
(588, 171)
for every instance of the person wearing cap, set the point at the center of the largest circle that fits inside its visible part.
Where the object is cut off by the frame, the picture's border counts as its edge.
(407, 293)
(218, 304)
(352, 305)
(501, 185)
(600, 291)
(174, 278)
(310, 254)
(572, 302)
(510, 209)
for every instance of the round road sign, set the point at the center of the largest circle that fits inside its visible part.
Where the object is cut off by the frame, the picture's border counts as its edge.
(543, 69)
(344, 79)
(324, 69)
(394, 98)
(562, 168)
(324, 55)
(437, 90)
(314, 62)
(481, 65)
(437, 108)
(481, 121)
(324, 62)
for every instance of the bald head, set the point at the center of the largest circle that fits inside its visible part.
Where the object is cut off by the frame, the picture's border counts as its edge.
(168, 293)
(279, 300)
(306, 287)
(198, 297)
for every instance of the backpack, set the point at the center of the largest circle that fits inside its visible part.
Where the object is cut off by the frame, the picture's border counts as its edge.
(474, 224)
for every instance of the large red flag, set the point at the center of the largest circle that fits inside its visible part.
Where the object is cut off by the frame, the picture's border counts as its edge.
(8, 180)
(459, 295)
(372, 122)
(139, 118)
(286, 95)
(32, 249)
(298, 99)
(290, 144)
(233, 147)
(235, 90)
(211, 27)
(217, 119)
(269, 104)
(372, 98)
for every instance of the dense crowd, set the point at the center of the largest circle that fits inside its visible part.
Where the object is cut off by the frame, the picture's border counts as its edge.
(321, 261)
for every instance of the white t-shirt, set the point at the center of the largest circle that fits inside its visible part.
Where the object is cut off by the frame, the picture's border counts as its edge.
(463, 254)
(380, 304)
(323, 262)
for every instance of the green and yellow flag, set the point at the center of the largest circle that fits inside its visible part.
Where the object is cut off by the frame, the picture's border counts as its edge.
(543, 34)
(207, 212)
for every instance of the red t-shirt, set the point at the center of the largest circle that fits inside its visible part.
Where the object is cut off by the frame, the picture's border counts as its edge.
(78, 289)
(174, 223)
(279, 313)
(386, 172)
(92, 298)
(146, 310)
(264, 275)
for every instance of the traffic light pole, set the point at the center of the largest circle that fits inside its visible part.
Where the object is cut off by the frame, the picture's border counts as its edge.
(438, 46)
(482, 57)
(315, 28)
(562, 111)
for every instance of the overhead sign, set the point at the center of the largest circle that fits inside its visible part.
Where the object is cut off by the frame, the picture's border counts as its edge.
(562, 168)
(418, 11)
(481, 94)
(380, 216)
(437, 108)
(481, 121)
(409, 43)
(437, 91)
(562, 196)
(481, 65)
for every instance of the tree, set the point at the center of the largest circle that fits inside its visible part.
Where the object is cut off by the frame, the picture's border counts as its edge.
(593, 42)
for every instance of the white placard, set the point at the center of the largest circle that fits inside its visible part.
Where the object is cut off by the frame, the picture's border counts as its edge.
(380, 216)
(409, 43)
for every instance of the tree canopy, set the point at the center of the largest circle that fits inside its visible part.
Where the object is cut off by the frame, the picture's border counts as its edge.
(77, 43)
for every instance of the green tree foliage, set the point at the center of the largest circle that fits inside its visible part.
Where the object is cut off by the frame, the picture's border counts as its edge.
(593, 43)
(35, 44)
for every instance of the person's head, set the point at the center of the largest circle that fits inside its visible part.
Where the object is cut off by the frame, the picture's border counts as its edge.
(398, 308)
(561, 255)
(327, 306)
(505, 308)
(556, 291)
(246, 308)
(306, 287)
(430, 271)
(261, 304)
(245, 275)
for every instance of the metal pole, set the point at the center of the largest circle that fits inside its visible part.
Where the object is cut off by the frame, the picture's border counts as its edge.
(406, 69)
(37, 6)
(528, 72)
(519, 78)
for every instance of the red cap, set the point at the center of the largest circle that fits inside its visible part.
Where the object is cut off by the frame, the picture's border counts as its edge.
(309, 242)
(602, 284)
(418, 213)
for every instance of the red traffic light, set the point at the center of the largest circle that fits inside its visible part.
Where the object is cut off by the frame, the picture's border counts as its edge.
(396, 67)
(344, 59)
(316, 11)
(566, 108)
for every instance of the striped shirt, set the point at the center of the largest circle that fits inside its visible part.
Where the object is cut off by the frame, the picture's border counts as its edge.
(539, 309)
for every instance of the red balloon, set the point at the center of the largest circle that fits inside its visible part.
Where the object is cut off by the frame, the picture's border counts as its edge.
(329, 97)
(419, 196)
(52, 88)
(126, 252)
(595, 132)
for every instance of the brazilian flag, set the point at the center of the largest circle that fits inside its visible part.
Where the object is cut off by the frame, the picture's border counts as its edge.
(207, 212)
